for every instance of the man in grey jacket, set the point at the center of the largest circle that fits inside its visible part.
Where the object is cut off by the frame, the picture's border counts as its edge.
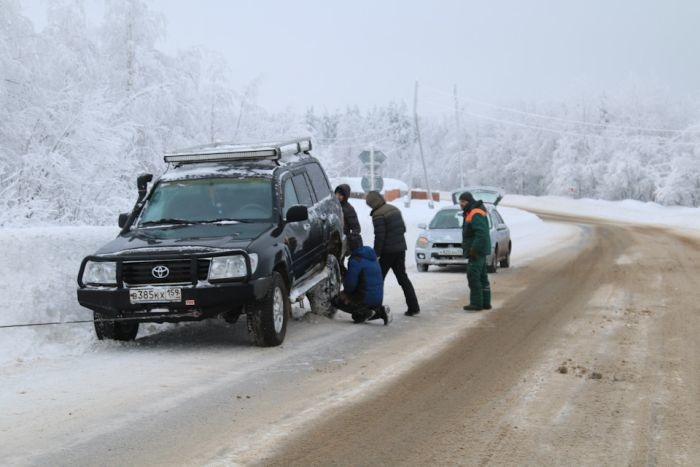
(390, 245)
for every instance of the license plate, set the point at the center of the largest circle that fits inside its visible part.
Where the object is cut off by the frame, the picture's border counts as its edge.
(156, 295)
(451, 252)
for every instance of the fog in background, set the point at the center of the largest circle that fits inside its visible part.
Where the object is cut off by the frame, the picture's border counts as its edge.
(366, 52)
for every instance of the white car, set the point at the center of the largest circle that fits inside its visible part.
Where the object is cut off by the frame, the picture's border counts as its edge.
(440, 242)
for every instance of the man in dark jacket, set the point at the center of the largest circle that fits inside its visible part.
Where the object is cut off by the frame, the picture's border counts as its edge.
(390, 245)
(351, 224)
(476, 245)
(363, 286)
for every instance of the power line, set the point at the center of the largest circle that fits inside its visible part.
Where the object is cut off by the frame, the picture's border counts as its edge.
(365, 142)
(352, 138)
(659, 139)
(566, 120)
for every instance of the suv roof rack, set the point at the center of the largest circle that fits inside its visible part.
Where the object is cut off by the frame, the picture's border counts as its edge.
(215, 152)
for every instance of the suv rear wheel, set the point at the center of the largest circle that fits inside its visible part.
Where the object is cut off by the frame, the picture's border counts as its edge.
(268, 317)
(114, 330)
(321, 295)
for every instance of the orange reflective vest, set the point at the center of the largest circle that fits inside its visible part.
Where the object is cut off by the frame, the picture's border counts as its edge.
(472, 213)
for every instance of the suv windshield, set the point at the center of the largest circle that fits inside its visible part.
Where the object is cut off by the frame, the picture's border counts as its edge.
(450, 219)
(209, 200)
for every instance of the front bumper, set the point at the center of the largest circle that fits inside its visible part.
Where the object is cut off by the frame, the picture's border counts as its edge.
(438, 257)
(209, 299)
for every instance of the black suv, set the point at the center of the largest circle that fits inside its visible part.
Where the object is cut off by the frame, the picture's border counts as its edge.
(226, 230)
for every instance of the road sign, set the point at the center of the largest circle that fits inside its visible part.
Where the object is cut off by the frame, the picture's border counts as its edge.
(366, 157)
(367, 184)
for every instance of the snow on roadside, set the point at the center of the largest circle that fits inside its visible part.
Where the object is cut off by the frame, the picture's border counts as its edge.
(39, 269)
(637, 212)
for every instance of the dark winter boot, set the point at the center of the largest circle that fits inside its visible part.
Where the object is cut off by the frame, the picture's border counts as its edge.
(412, 312)
(386, 315)
(363, 315)
(486, 295)
(472, 308)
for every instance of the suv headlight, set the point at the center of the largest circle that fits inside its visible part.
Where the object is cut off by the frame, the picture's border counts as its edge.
(230, 267)
(253, 262)
(100, 273)
(423, 241)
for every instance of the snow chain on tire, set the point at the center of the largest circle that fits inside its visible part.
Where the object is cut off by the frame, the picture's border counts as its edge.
(321, 295)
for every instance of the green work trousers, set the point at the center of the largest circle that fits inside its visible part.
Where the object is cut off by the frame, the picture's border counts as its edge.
(479, 287)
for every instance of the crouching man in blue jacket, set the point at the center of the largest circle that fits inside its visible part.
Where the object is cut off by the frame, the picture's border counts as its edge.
(363, 286)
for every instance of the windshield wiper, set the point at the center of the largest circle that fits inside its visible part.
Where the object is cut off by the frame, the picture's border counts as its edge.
(166, 221)
(219, 221)
(230, 221)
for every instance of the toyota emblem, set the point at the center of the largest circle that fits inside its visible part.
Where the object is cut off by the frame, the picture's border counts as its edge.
(160, 272)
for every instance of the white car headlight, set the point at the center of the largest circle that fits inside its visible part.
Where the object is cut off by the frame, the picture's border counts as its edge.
(228, 267)
(423, 241)
(100, 273)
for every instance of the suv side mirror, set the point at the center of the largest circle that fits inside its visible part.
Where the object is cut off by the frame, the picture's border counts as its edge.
(123, 217)
(297, 213)
(423, 226)
(142, 183)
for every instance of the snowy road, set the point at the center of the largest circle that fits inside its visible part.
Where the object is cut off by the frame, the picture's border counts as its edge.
(199, 393)
(595, 361)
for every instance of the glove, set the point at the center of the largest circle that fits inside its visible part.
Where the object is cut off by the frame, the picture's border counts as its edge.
(473, 254)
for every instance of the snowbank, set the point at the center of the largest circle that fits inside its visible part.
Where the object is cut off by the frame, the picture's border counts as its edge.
(39, 269)
(627, 211)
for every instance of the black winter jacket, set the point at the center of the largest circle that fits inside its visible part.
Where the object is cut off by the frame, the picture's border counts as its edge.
(389, 228)
(351, 226)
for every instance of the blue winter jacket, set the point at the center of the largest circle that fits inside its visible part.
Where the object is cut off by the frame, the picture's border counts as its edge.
(364, 276)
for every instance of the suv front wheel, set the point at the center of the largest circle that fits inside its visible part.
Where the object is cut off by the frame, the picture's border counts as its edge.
(114, 330)
(267, 318)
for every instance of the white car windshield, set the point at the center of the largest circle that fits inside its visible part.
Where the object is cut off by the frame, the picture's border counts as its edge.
(209, 200)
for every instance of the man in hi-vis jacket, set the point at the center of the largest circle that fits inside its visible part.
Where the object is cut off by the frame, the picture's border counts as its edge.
(476, 246)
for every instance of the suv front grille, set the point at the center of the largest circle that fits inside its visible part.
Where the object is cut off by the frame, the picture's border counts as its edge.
(179, 271)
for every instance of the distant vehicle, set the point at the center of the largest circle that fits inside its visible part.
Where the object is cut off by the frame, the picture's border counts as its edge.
(440, 242)
(226, 230)
(487, 194)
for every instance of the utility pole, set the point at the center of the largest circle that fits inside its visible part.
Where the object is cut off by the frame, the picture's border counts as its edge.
(371, 167)
(459, 140)
(420, 148)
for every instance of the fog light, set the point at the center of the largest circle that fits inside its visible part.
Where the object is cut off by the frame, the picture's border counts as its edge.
(421, 256)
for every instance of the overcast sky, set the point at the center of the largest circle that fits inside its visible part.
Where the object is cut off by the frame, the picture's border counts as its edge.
(331, 54)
